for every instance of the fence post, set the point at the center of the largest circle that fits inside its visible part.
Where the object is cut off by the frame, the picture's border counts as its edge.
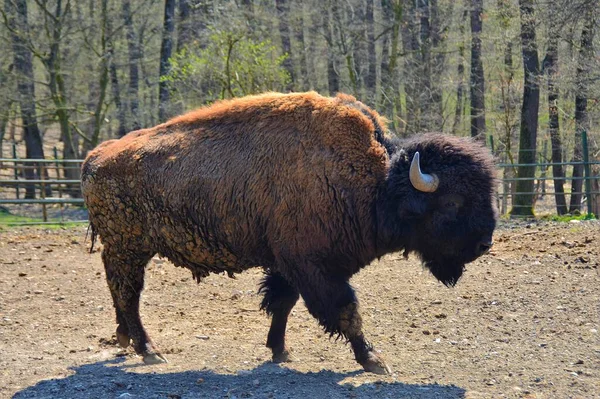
(14, 154)
(43, 193)
(543, 168)
(586, 172)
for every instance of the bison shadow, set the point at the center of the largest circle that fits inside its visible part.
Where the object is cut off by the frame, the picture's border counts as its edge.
(110, 379)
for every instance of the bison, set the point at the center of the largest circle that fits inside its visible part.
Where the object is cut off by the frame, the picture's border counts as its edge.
(307, 187)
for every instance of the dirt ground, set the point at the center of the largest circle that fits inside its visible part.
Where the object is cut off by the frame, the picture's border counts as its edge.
(522, 322)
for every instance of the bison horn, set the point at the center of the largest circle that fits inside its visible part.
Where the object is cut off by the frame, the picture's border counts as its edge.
(422, 181)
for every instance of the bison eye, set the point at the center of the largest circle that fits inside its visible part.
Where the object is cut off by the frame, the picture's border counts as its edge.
(451, 202)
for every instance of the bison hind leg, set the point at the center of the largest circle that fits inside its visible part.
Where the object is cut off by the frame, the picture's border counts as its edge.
(334, 303)
(125, 277)
(278, 301)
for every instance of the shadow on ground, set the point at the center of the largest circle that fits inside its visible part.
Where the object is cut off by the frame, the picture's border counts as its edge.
(110, 379)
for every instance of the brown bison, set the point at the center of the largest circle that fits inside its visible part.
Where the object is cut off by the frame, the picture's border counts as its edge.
(307, 187)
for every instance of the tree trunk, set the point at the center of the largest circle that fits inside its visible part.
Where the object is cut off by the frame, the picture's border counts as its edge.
(371, 78)
(524, 197)
(460, 70)
(116, 94)
(147, 96)
(16, 11)
(424, 72)
(59, 96)
(105, 50)
(283, 14)
(134, 59)
(477, 78)
(586, 57)
(551, 68)
(345, 45)
(5, 110)
(166, 48)
(3, 124)
(315, 34)
(299, 33)
(392, 13)
(411, 63)
(184, 26)
(383, 102)
(438, 60)
(356, 43)
(332, 75)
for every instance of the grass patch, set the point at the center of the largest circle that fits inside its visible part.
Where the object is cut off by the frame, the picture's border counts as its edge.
(8, 220)
(569, 217)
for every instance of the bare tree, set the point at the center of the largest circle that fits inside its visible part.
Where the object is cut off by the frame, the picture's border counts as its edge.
(423, 77)
(411, 65)
(166, 49)
(299, 34)
(586, 55)
(332, 74)
(283, 13)
(371, 78)
(460, 72)
(477, 88)
(134, 59)
(550, 67)
(524, 198)
(389, 96)
(103, 79)
(17, 23)
(439, 32)
(116, 93)
(6, 104)
(352, 33)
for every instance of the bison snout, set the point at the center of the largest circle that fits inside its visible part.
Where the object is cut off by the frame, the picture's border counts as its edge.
(484, 247)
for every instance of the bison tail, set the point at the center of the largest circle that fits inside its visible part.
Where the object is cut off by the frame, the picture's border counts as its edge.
(94, 235)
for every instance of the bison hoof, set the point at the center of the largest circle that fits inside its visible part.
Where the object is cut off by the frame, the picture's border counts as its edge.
(376, 364)
(123, 339)
(154, 358)
(284, 356)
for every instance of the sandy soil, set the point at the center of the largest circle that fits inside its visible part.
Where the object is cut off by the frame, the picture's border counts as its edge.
(523, 322)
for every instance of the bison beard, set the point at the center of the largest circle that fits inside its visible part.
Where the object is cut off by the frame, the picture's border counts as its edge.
(448, 271)
(307, 187)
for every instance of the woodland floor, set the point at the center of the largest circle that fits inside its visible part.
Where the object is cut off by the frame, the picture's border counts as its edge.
(522, 322)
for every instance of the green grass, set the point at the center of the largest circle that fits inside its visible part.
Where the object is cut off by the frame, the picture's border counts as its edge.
(568, 218)
(8, 220)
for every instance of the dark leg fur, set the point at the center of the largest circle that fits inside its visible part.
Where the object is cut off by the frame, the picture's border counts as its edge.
(279, 299)
(125, 277)
(334, 304)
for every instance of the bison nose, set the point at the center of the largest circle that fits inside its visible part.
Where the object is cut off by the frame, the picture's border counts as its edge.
(484, 247)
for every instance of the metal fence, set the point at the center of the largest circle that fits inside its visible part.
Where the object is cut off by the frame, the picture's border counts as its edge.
(544, 194)
(43, 182)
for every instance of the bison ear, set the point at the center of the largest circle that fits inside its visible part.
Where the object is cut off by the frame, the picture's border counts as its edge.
(412, 207)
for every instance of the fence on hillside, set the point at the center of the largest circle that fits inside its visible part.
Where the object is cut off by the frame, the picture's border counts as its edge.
(44, 182)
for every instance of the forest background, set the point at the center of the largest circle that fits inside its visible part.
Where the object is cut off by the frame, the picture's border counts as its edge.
(522, 76)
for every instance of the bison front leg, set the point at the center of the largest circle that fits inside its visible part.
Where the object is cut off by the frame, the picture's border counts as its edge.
(279, 299)
(335, 305)
(125, 277)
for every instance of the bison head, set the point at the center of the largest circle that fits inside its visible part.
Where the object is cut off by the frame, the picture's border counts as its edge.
(438, 203)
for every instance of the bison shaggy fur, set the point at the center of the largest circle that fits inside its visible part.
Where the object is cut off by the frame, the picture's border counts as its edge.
(309, 188)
